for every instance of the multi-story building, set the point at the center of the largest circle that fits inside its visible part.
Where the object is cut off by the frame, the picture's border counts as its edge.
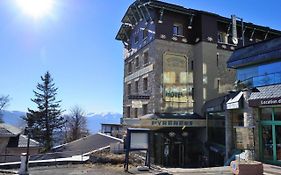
(259, 79)
(174, 61)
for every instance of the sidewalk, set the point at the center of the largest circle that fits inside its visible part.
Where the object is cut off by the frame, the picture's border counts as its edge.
(271, 169)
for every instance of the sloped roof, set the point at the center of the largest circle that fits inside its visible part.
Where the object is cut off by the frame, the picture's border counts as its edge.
(23, 142)
(7, 130)
(266, 92)
(86, 144)
(268, 50)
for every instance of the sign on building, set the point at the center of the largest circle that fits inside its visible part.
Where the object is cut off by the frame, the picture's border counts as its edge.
(245, 138)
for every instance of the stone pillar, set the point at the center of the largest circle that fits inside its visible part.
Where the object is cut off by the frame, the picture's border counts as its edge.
(248, 120)
(228, 133)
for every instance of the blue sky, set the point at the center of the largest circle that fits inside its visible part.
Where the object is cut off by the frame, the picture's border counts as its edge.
(76, 43)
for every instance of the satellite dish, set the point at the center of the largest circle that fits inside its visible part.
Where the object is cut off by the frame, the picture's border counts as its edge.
(234, 40)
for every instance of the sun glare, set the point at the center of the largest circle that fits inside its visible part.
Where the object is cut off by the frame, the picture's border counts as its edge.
(36, 8)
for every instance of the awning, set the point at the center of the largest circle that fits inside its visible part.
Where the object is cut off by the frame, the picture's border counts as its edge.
(267, 95)
(215, 105)
(235, 102)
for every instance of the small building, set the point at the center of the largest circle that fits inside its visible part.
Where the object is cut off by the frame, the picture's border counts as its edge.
(13, 143)
(115, 130)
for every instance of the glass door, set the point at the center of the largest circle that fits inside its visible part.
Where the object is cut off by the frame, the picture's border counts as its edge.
(267, 142)
(278, 142)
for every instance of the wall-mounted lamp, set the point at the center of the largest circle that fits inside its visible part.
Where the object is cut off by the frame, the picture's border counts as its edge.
(161, 16)
(190, 22)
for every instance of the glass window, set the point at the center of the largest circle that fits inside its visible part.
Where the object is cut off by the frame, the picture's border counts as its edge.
(137, 86)
(277, 113)
(144, 33)
(136, 112)
(145, 57)
(128, 112)
(178, 29)
(145, 84)
(266, 114)
(261, 75)
(136, 39)
(129, 89)
(144, 109)
(130, 67)
(137, 61)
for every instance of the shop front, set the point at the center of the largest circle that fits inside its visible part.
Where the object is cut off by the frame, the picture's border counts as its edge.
(269, 111)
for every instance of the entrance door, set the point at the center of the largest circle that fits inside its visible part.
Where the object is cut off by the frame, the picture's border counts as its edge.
(267, 142)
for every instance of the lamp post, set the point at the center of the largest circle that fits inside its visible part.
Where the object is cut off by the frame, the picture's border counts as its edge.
(25, 156)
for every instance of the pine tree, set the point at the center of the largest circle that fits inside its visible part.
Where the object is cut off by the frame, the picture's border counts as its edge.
(47, 118)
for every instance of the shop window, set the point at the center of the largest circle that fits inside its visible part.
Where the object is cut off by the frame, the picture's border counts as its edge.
(145, 57)
(144, 109)
(277, 114)
(266, 114)
(178, 29)
(145, 84)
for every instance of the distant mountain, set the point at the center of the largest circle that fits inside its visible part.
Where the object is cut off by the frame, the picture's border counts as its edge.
(14, 118)
(96, 119)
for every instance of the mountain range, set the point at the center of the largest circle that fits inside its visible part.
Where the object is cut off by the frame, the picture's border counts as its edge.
(94, 120)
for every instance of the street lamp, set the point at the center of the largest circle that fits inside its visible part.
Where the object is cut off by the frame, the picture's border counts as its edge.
(25, 156)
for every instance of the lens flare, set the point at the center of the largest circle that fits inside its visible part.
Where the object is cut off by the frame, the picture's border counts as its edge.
(36, 8)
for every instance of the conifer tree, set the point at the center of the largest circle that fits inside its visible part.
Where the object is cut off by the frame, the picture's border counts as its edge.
(47, 118)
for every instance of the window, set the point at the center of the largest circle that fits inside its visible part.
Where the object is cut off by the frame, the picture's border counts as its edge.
(192, 65)
(128, 110)
(145, 84)
(137, 61)
(144, 34)
(137, 86)
(129, 89)
(218, 59)
(178, 29)
(136, 112)
(136, 39)
(130, 67)
(144, 109)
(218, 85)
(222, 37)
(145, 57)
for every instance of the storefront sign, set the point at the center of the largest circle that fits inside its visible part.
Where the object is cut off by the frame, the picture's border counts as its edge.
(261, 102)
(173, 123)
(244, 138)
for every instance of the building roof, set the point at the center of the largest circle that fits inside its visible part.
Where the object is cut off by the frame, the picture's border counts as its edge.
(23, 142)
(138, 9)
(267, 92)
(268, 50)
(86, 144)
(7, 130)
